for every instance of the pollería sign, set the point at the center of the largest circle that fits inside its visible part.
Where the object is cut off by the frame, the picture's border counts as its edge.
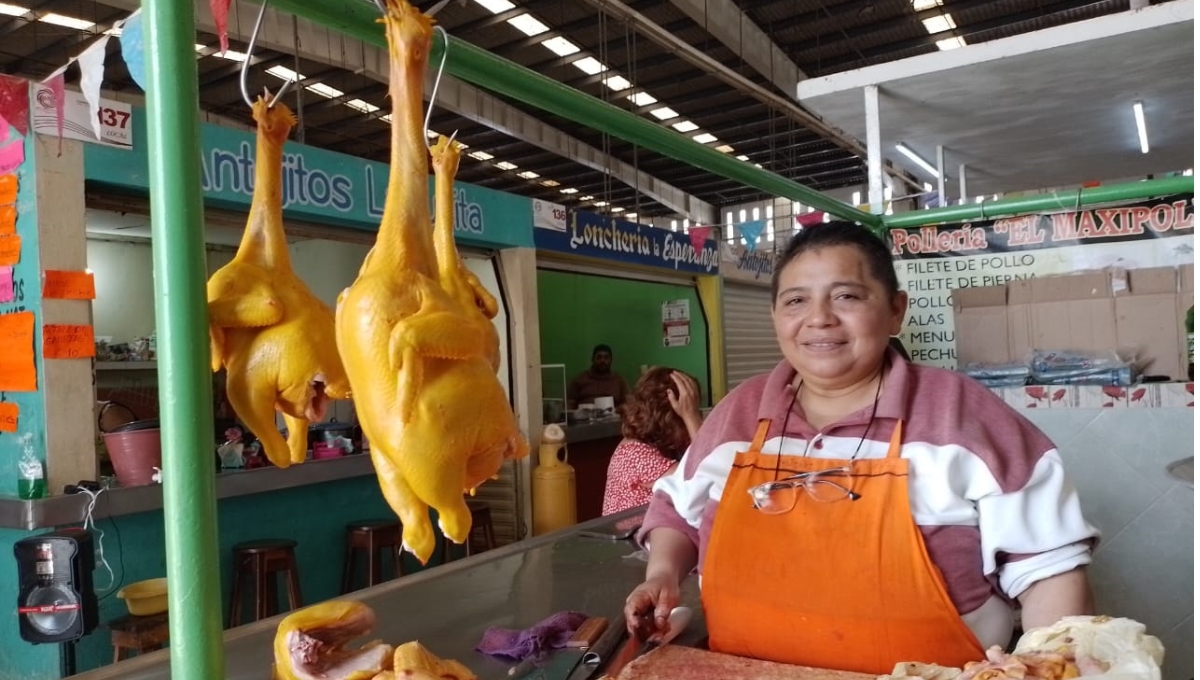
(612, 239)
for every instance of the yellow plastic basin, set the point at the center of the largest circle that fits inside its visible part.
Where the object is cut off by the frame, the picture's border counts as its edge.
(145, 598)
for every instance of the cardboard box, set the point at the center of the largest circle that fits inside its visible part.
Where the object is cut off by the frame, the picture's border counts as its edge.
(1071, 312)
(1148, 322)
(981, 324)
(1137, 311)
(1020, 324)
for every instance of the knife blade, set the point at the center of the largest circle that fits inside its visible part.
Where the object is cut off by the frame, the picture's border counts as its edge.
(595, 656)
(563, 663)
(628, 652)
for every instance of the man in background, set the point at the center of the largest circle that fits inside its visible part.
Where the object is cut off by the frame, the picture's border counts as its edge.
(597, 381)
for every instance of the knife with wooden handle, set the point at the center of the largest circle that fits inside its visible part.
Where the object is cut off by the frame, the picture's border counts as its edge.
(563, 663)
(595, 656)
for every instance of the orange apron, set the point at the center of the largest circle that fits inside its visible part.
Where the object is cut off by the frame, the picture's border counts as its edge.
(844, 585)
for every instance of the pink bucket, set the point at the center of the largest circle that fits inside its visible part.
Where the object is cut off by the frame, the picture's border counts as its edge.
(135, 452)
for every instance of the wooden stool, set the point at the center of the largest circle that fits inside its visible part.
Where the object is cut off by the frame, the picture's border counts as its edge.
(261, 560)
(481, 528)
(374, 537)
(138, 634)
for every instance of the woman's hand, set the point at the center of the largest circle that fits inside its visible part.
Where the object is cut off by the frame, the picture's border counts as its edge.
(649, 605)
(685, 401)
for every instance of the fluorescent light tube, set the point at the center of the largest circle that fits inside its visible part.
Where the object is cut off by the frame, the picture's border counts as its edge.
(642, 99)
(1139, 117)
(495, 6)
(912, 155)
(589, 65)
(560, 46)
(527, 24)
(66, 21)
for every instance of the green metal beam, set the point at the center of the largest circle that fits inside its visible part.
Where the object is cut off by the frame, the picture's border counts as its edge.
(184, 376)
(1056, 202)
(484, 69)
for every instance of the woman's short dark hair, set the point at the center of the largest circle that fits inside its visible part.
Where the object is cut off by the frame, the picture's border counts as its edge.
(831, 234)
(647, 415)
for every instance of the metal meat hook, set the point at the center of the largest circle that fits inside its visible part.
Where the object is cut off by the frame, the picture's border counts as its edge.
(250, 55)
(437, 80)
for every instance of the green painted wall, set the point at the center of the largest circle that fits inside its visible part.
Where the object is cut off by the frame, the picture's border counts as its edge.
(578, 311)
(314, 516)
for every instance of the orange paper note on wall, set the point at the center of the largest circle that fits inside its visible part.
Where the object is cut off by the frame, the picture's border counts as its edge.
(69, 285)
(8, 189)
(17, 370)
(9, 412)
(10, 250)
(67, 341)
(8, 219)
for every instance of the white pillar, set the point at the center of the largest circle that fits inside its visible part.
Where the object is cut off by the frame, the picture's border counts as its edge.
(962, 184)
(941, 168)
(874, 152)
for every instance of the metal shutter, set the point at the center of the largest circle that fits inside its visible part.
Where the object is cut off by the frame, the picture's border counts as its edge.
(501, 494)
(750, 345)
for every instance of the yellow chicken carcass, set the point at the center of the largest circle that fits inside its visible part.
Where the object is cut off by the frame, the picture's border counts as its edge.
(310, 644)
(421, 365)
(413, 662)
(272, 335)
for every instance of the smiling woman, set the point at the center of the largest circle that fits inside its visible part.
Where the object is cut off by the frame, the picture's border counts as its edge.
(930, 469)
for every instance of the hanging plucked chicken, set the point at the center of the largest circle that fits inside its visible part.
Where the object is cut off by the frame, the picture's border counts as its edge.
(274, 338)
(414, 330)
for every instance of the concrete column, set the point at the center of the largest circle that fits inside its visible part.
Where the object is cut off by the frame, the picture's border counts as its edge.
(941, 168)
(874, 152)
(68, 388)
(518, 276)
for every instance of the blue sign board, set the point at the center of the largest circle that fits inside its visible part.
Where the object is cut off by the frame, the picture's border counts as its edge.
(609, 238)
(319, 186)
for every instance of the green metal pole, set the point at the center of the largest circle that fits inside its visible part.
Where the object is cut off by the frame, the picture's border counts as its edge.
(484, 69)
(181, 318)
(1056, 201)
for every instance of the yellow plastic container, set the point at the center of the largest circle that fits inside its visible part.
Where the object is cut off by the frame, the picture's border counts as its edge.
(145, 598)
(553, 485)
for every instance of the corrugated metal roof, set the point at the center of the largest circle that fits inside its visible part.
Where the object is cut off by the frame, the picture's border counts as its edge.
(821, 36)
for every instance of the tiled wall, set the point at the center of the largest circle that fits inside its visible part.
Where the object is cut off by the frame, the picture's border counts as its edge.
(1144, 567)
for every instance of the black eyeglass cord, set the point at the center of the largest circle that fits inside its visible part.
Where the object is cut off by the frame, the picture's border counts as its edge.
(792, 406)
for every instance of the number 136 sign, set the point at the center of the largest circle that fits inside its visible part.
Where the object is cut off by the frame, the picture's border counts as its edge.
(116, 121)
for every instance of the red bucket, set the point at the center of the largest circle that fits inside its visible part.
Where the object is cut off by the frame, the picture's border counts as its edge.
(135, 450)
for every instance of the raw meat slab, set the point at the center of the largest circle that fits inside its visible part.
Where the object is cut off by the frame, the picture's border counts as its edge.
(674, 662)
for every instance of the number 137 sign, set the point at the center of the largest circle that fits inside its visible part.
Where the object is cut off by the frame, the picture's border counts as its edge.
(116, 120)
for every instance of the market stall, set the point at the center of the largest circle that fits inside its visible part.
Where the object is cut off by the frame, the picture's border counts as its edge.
(750, 344)
(327, 241)
(448, 608)
(634, 288)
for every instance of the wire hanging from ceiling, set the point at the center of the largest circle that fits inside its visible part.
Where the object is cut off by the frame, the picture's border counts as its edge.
(605, 138)
(632, 70)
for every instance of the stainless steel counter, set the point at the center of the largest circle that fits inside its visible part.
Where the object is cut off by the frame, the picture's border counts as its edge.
(448, 608)
(597, 429)
(70, 509)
